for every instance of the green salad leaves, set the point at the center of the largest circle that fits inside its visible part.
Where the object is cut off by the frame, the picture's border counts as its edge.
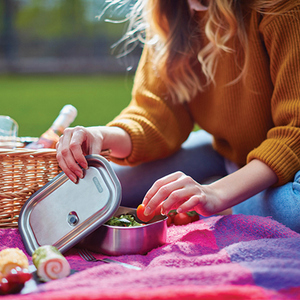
(123, 221)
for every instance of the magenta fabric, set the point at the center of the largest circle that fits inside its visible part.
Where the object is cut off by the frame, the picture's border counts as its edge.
(222, 257)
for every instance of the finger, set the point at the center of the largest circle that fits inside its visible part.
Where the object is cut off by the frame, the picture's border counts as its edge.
(158, 184)
(198, 203)
(78, 138)
(65, 156)
(181, 190)
(190, 204)
(62, 163)
(163, 193)
(176, 199)
(68, 172)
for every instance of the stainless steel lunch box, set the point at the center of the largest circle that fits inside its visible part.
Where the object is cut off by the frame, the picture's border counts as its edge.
(115, 240)
(64, 214)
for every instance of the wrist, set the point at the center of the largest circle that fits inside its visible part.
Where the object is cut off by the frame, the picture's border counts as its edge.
(117, 140)
(246, 182)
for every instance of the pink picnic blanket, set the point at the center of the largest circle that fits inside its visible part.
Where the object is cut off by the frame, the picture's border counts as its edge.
(221, 257)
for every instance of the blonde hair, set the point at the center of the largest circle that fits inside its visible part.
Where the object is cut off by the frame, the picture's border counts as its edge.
(174, 36)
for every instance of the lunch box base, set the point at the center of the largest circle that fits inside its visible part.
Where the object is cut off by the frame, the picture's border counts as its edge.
(116, 240)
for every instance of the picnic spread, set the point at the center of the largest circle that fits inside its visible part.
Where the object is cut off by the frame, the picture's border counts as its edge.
(221, 257)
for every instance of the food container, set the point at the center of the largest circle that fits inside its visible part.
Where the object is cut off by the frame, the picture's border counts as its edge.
(62, 213)
(115, 240)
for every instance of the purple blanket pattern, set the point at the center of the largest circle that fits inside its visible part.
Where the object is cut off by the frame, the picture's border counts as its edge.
(221, 257)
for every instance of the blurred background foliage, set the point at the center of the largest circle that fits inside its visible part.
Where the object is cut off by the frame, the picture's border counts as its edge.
(58, 28)
(57, 52)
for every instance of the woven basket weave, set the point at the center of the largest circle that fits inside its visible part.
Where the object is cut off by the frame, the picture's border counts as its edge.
(22, 173)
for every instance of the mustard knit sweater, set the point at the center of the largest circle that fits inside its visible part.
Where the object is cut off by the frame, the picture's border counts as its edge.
(256, 120)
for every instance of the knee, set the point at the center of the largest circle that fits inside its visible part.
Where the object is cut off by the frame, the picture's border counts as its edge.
(296, 183)
(284, 202)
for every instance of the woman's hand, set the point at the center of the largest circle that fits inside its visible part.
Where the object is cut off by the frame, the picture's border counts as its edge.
(77, 142)
(181, 192)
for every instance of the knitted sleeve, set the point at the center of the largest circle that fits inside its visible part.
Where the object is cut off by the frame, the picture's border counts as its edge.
(281, 149)
(156, 125)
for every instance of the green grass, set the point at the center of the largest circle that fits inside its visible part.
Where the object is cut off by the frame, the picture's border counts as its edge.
(35, 101)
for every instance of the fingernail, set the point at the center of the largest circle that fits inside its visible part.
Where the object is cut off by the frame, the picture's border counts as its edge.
(179, 210)
(79, 174)
(147, 211)
(73, 178)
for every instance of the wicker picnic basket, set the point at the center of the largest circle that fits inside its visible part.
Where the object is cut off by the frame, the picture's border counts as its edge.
(22, 173)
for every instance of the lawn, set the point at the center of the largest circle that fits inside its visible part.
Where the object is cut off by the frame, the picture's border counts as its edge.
(35, 101)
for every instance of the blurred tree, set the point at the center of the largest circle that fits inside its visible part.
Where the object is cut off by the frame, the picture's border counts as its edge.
(73, 17)
(62, 18)
(65, 27)
(39, 32)
(8, 38)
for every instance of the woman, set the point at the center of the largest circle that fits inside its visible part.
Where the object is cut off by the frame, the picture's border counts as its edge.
(232, 68)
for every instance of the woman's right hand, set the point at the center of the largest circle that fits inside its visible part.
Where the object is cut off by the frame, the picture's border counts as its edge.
(77, 142)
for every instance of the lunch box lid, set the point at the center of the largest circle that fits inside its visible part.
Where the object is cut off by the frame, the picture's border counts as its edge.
(62, 213)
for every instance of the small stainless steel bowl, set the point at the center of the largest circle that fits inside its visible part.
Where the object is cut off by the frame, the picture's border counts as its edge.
(115, 240)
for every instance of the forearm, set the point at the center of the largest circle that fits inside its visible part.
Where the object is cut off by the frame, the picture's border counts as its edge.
(117, 140)
(243, 184)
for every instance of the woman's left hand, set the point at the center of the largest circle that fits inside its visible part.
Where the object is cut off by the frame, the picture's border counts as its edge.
(181, 192)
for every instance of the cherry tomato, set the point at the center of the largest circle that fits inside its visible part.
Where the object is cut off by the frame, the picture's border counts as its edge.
(182, 219)
(171, 215)
(140, 214)
(194, 216)
(169, 221)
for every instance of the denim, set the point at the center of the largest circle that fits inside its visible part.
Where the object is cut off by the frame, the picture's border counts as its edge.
(198, 159)
(281, 203)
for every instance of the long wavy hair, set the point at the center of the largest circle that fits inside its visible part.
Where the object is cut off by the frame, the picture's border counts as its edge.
(169, 29)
